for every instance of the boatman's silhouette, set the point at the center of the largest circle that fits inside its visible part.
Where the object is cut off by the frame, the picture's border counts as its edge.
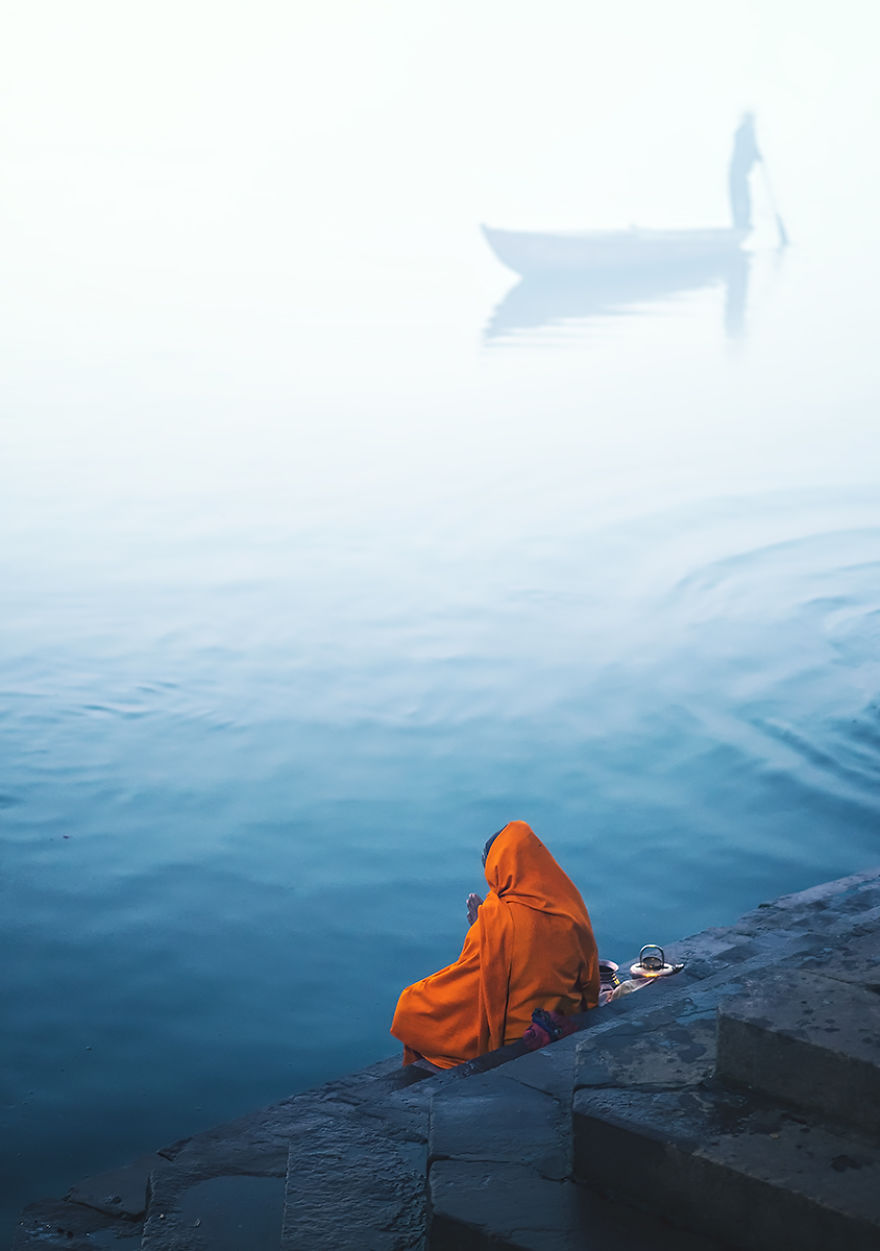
(745, 155)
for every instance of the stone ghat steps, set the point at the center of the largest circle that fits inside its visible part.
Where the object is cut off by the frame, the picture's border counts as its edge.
(782, 1145)
(224, 1189)
(504, 1207)
(500, 1169)
(342, 1166)
(688, 1126)
(718, 1162)
(664, 1153)
(389, 1159)
(809, 1040)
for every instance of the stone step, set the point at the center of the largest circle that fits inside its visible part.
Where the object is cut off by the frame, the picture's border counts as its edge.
(499, 1162)
(500, 1170)
(807, 1039)
(351, 1186)
(510, 1207)
(225, 1189)
(356, 1170)
(731, 1166)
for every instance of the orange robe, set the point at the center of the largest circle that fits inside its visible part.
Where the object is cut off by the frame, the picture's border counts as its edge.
(531, 946)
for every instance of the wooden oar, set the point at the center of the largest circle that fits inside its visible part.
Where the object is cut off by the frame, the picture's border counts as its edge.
(780, 226)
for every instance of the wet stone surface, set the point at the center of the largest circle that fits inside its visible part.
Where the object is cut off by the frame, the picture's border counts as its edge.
(353, 1179)
(119, 1192)
(659, 1051)
(230, 1213)
(493, 1119)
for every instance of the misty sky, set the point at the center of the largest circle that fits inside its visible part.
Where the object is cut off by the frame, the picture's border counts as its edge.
(278, 128)
(220, 216)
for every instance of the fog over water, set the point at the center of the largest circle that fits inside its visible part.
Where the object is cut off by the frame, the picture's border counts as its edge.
(329, 545)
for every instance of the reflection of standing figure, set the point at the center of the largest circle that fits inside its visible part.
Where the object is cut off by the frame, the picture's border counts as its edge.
(745, 154)
(737, 283)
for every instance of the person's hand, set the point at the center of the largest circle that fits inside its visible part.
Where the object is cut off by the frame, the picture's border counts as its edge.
(473, 904)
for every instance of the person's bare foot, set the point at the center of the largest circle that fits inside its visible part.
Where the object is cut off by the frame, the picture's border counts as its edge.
(473, 904)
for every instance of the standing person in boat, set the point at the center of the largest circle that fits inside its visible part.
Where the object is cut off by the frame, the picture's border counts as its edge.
(744, 156)
(530, 945)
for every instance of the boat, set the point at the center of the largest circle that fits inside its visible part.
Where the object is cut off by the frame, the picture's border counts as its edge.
(575, 278)
(577, 275)
(553, 255)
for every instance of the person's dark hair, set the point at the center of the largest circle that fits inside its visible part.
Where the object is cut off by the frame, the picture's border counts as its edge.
(490, 841)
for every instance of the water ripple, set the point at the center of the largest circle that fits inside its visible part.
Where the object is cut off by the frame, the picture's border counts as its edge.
(781, 639)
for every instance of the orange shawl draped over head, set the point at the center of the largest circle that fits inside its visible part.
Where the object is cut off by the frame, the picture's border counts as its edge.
(531, 946)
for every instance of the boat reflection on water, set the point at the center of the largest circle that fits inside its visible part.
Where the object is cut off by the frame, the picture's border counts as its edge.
(607, 273)
(600, 273)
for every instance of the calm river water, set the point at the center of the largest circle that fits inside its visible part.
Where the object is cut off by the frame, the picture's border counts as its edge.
(307, 591)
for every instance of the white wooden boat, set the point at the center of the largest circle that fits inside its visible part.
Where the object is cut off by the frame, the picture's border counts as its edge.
(534, 254)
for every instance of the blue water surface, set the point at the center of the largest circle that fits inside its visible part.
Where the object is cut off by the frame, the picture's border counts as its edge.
(298, 607)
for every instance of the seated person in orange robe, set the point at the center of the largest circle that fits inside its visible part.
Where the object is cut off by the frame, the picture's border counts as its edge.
(530, 945)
